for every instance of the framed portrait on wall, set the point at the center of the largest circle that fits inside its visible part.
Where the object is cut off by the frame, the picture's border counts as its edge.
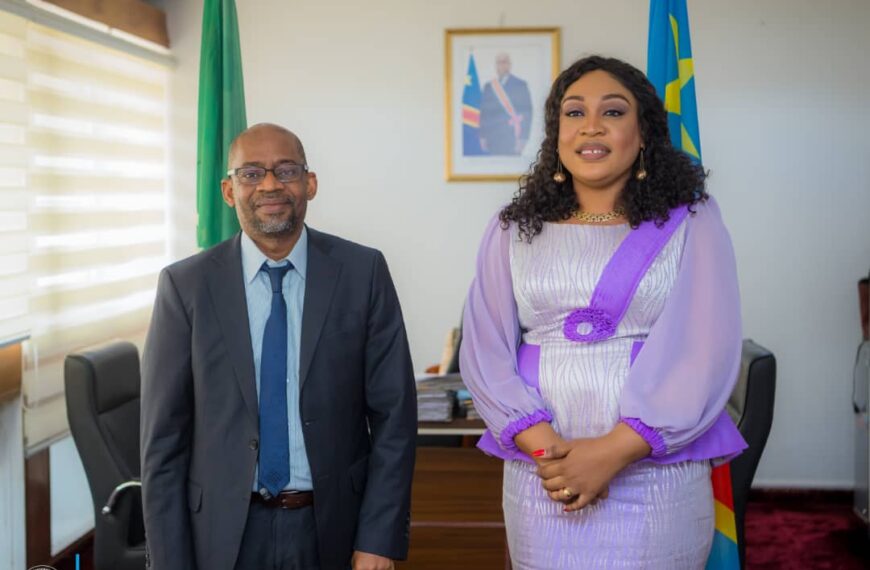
(496, 83)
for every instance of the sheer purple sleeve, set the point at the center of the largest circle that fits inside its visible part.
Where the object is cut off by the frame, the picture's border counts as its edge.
(490, 338)
(678, 386)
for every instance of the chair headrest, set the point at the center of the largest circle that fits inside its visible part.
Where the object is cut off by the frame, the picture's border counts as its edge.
(737, 401)
(115, 373)
(752, 352)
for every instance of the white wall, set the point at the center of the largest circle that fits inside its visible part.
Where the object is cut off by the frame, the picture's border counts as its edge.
(784, 118)
(72, 505)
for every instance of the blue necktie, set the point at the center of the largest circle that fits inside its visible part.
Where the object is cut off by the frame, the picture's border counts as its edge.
(274, 468)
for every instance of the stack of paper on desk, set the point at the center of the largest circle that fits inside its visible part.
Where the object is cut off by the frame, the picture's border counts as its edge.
(436, 397)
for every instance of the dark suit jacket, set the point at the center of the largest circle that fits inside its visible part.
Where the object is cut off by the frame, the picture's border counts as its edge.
(200, 433)
(495, 127)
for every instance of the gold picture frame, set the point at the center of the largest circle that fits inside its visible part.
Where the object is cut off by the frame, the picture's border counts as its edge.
(513, 69)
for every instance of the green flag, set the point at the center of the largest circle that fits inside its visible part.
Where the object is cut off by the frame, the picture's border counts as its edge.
(221, 118)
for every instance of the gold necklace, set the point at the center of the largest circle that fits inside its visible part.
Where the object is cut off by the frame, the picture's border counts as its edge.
(588, 218)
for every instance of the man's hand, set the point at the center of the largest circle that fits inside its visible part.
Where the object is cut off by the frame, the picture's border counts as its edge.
(366, 561)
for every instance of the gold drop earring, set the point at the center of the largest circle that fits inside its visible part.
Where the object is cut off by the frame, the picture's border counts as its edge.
(559, 176)
(641, 169)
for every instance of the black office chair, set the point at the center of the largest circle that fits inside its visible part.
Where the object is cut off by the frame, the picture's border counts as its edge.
(102, 402)
(751, 408)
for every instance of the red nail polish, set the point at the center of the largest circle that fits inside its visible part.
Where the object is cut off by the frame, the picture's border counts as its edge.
(538, 452)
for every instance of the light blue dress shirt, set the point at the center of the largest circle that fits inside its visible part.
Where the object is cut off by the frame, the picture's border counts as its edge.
(258, 291)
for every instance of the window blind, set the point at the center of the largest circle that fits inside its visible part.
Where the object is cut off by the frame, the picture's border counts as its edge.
(15, 282)
(97, 187)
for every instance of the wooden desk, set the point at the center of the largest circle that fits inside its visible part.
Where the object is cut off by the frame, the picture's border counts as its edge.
(456, 427)
(456, 516)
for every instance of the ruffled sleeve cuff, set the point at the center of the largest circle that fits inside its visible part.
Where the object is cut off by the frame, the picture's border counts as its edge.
(649, 434)
(506, 438)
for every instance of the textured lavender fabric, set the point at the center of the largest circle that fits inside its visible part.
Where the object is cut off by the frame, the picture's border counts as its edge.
(635, 350)
(652, 437)
(528, 365)
(512, 429)
(685, 372)
(657, 516)
(488, 444)
(624, 271)
(528, 356)
(491, 337)
(680, 380)
(620, 279)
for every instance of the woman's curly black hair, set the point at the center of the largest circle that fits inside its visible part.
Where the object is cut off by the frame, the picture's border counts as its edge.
(672, 178)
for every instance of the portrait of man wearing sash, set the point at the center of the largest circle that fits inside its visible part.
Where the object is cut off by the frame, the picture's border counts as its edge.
(505, 111)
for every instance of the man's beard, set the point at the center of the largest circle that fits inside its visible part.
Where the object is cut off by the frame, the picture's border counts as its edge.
(277, 227)
(274, 226)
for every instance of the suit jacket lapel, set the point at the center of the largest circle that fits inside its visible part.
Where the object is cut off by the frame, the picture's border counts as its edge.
(321, 278)
(226, 284)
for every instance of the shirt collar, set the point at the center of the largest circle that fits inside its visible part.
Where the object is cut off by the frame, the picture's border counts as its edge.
(253, 258)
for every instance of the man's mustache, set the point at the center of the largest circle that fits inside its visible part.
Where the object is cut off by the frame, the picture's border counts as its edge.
(271, 200)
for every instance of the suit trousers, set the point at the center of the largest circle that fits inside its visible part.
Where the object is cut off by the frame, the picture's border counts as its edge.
(279, 539)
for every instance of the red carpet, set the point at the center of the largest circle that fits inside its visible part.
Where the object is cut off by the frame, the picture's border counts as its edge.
(804, 531)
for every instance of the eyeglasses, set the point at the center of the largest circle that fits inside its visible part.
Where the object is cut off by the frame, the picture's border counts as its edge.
(250, 175)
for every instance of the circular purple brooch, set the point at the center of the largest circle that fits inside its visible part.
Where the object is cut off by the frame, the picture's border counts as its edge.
(602, 325)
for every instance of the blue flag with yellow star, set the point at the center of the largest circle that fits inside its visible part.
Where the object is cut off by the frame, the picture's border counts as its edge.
(471, 112)
(671, 69)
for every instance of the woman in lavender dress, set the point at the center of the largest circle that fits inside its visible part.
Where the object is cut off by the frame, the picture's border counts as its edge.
(602, 337)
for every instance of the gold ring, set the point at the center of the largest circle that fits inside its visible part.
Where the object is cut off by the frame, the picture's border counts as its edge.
(567, 492)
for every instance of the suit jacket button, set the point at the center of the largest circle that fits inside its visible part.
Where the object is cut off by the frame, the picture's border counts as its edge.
(254, 444)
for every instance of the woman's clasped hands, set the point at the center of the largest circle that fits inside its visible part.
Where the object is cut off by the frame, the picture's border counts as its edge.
(578, 472)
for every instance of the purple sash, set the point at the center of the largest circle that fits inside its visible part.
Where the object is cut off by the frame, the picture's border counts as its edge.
(620, 279)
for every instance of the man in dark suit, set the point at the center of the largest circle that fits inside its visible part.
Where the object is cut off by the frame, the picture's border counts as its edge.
(278, 402)
(505, 111)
